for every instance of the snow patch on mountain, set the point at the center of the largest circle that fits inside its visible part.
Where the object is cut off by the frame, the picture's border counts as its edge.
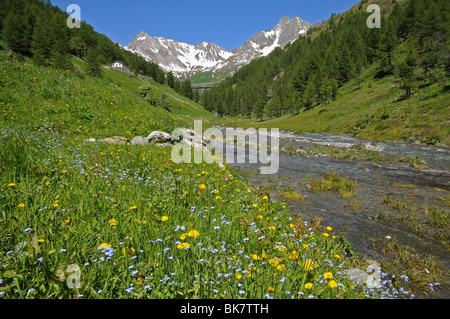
(185, 59)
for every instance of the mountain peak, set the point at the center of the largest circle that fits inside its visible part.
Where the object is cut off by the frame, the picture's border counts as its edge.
(185, 59)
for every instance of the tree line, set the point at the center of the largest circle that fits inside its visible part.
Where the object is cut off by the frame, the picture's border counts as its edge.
(309, 71)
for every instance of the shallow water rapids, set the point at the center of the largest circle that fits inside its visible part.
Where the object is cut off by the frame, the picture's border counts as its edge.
(366, 218)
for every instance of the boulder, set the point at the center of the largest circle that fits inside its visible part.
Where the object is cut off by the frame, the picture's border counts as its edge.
(119, 140)
(139, 140)
(159, 137)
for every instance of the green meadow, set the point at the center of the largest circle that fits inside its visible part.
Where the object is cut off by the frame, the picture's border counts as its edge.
(93, 220)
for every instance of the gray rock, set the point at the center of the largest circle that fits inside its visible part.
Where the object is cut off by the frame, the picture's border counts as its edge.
(139, 140)
(159, 137)
(119, 140)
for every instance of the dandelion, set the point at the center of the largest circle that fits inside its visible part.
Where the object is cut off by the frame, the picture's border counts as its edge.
(104, 246)
(164, 218)
(238, 276)
(308, 286)
(202, 187)
(183, 246)
(271, 289)
(328, 275)
(21, 205)
(11, 185)
(326, 234)
(193, 233)
(293, 254)
(332, 284)
(132, 208)
(41, 240)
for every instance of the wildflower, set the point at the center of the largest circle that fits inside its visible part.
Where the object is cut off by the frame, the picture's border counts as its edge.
(308, 286)
(67, 221)
(337, 256)
(202, 187)
(132, 208)
(293, 254)
(255, 257)
(326, 234)
(113, 223)
(104, 245)
(21, 205)
(164, 218)
(41, 240)
(183, 246)
(183, 236)
(309, 265)
(11, 185)
(271, 289)
(27, 230)
(328, 275)
(332, 284)
(238, 276)
(193, 233)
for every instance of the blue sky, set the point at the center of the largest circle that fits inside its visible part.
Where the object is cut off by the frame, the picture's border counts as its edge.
(227, 23)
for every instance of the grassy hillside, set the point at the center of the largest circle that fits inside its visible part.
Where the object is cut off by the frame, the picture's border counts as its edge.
(372, 109)
(207, 79)
(179, 105)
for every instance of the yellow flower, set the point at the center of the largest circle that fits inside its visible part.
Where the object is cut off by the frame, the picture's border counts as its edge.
(263, 256)
(271, 227)
(280, 267)
(238, 276)
(332, 284)
(274, 262)
(193, 233)
(164, 218)
(21, 205)
(293, 254)
(132, 208)
(271, 289)
(326, 234)
(265, 197)
(308, 286)
(41, 240)
(183, 246)
(337, 256)
(139, 281)
(309, 265)
(11, 185)
(329, 228)
(255, 257)
(67, 221)
(328, 275)
(104, 245)
(183, 236)
(202, 187)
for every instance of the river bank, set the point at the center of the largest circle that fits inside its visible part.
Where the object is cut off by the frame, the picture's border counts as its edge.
(393, 210)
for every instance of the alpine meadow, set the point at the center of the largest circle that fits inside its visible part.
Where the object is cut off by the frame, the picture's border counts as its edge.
(94, 206)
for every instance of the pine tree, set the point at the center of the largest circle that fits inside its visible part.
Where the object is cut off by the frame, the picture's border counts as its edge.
(93, 67)
(170, 80)
(40, 45)
(258, 109)
(15, 33)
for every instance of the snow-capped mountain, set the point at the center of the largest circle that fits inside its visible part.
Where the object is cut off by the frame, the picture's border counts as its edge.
(185, 59)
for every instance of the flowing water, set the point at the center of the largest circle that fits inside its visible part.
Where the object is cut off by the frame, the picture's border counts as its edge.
(391, 197)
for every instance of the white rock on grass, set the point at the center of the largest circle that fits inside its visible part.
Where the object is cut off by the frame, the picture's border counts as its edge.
(139, 140)
(159, 137)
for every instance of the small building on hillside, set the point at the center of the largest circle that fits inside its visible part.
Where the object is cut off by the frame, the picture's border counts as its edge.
(120, 66)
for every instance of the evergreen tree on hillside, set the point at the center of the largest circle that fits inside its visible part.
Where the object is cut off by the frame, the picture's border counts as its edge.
(93, 66)
(40, 45)
(258, 110)
(170, 80)
(16, 33)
